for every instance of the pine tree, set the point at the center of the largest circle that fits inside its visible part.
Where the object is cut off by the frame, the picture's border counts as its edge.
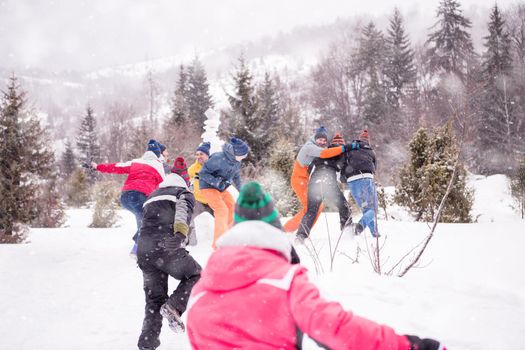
(424, 178)
(281, 160)
(139, 140)
(77, 189)
(26, 165)
(400, 68)
(498, 114)
(518, 186)
(450, 46)
(244, 121)
(268, 114)
(48, 208)
(497, 58)
(87, 139)
(198, 96)
(372, 53)
(106, 204)
(179, 102)
(68, 162)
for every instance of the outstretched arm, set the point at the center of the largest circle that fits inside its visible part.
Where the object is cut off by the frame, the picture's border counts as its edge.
(330, 325)
(113, 168)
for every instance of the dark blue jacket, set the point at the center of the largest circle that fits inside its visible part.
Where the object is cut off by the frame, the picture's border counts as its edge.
(360, 161)
(221, 170)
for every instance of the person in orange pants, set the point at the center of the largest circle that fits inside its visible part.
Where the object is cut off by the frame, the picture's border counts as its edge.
(313, 148)
(220, 171)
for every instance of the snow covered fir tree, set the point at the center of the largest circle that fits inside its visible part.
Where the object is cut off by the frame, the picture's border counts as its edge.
(27, 169)
(405, 123)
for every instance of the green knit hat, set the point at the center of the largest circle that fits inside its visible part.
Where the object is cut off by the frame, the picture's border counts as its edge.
(255, 204)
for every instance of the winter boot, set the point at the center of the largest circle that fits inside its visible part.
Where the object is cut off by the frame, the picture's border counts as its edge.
(133, 252)
(358, 229)
(300, 238)
(347, 226)
(173, 317)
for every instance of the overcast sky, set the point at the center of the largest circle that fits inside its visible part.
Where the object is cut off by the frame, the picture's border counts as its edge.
(75, 34)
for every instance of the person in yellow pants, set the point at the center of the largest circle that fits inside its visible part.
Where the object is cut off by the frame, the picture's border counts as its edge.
(220, 171)
(313, 148)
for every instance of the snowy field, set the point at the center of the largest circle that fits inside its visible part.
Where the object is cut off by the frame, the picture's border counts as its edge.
(77, 288)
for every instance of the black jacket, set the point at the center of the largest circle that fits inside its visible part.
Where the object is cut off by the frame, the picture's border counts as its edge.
(326, 168)
(359, 161)
(171, 203)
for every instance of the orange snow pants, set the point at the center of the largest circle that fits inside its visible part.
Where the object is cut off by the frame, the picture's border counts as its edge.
(299, 181)
(223, 208)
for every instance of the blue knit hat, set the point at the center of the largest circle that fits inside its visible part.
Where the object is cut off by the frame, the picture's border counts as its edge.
(154, 147)
(321, 133)
(204, 148)
(240, 148)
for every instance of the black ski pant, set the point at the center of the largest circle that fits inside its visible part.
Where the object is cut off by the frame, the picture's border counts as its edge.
(158, 260)
(323, 190)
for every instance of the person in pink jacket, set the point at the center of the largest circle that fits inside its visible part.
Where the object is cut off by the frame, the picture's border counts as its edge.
(250, 296)
(144, 176)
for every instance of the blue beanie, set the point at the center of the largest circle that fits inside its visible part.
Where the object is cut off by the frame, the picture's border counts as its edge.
(154, 147)
(240, 148)
(321, 133)
(162, 147)
(204, 148)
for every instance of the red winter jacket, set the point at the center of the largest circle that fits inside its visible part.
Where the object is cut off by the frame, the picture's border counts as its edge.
(145, 173)
(250, 297)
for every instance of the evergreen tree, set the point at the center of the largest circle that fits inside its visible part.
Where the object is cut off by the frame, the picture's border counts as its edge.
(372, 54)
(425, 177)
(498, 114)
(245, 123)
(68, 162)
(198, 96)
(87, 139)
(400, 68)
(268, 114)
(518, 186)
(281, 160)
(497, 59)
(139, 140)
(450, 46)
(26, 165)
(48, 208)
(289, 112)
(77, 189)
(106, 204)
(179, 103)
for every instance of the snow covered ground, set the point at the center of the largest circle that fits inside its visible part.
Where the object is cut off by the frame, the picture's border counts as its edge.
(77, 288)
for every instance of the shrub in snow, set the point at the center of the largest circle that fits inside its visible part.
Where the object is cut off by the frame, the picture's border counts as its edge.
(424, 178)
(518, 187)
(77, 189)
(106, 195)
(48, 208)
(277, 178)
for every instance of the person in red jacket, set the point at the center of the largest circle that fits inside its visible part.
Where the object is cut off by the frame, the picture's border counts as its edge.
(250, 296)
(144, 176)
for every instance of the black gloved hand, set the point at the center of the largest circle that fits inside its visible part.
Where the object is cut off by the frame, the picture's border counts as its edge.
(86, 165)
(353, 146)
(224, 184)
(417, 343)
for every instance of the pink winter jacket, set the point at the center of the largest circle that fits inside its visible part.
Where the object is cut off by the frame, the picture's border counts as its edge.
(250, 297)
(145, 173)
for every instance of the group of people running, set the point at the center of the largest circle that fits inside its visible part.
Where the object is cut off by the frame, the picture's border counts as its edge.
(253, 292)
